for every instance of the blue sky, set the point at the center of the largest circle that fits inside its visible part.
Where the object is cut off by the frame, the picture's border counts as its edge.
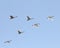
(46, 36)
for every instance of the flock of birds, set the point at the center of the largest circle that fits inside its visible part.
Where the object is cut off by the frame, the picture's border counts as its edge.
(28, 19)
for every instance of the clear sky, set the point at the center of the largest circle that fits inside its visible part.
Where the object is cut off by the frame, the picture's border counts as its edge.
(46, 36)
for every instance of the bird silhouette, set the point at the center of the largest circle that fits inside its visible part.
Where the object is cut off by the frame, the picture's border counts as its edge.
(12, 17)
(36, 25)
(8, 41)
(29, 18)
(51, 18)
(19, 32)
